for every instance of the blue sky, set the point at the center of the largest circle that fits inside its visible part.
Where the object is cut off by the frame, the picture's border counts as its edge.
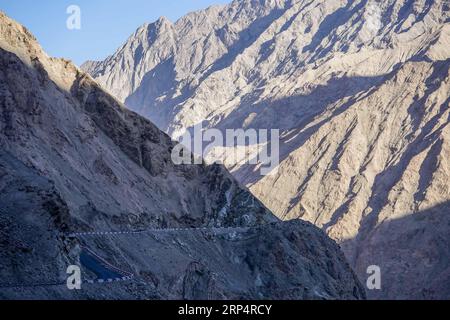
(105, 24)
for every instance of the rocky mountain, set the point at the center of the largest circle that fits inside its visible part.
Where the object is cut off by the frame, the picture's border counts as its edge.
(360, 92)
(86, 182)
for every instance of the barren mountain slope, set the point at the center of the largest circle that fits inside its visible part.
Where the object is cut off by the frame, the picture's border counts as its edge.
(76, 165)
(360, 92)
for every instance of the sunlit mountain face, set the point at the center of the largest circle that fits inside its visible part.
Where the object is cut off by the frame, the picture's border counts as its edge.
(359, 91)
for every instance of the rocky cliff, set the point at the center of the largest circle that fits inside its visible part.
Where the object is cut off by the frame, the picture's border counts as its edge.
(86, 182)
(360, 92)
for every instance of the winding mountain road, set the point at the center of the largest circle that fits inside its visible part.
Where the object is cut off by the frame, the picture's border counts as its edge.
(106, 272)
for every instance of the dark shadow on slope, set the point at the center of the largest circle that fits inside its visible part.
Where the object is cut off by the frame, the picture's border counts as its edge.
(427, 169)
(245, 39)
(268, 47)
(429, 137)
(403, 14)
(332, 22)
(413, 253)
(416, 111)
(407, 9)
(158, 82)
(304, 109)
(385, 181)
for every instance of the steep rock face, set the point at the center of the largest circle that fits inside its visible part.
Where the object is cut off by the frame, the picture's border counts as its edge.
(360, 92)
(74, 164)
